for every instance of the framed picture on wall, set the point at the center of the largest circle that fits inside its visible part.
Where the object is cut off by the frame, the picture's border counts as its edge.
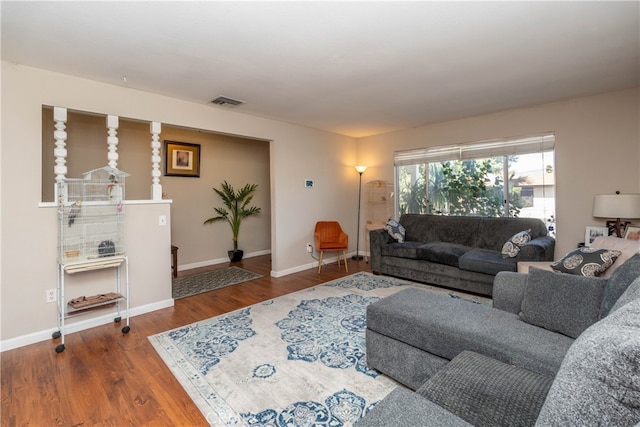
(181, 159)
(592, 232)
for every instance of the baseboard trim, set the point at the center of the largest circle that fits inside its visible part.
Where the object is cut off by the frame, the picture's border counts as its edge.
(82, 325)
(215, 261)
(313, 264)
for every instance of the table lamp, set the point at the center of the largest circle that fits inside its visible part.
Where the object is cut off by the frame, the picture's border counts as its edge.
(617, 206)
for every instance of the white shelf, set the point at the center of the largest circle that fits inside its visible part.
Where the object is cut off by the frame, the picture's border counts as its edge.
(93, 264)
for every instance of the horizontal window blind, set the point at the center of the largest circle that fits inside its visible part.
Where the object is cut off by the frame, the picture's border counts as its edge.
(477, 150)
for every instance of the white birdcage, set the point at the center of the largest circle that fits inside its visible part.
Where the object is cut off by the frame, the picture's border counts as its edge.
(91, 216)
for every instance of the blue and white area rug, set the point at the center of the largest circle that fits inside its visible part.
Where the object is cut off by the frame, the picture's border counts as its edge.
(296, 360)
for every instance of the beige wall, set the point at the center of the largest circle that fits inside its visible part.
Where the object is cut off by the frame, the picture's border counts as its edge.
(597, 150)
(27, 229)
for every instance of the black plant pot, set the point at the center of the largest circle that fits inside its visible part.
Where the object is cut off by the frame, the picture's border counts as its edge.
(235, 256)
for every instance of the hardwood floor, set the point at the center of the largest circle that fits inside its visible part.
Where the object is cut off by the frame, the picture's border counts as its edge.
(107, 378)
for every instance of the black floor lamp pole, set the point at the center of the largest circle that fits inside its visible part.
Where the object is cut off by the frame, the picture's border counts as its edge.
(357, 256)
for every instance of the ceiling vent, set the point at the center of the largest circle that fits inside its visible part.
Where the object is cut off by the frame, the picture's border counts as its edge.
(224, 100)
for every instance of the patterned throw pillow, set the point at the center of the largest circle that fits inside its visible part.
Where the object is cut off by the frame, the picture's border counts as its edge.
(586, 261)
(395, 230)
(511, 248)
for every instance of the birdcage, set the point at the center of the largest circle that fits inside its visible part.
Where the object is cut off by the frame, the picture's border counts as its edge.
(91, 216)
(91, 228)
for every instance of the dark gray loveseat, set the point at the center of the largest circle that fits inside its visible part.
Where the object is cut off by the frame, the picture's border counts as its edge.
(458, 252)
(555, 349)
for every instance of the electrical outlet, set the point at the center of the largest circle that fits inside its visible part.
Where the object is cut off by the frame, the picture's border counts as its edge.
(309, 248)
(51, 295)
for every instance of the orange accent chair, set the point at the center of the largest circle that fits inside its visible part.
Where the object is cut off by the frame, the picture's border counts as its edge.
(330, 237)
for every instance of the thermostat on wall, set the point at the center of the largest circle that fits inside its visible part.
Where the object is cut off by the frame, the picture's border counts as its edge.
(308, 183)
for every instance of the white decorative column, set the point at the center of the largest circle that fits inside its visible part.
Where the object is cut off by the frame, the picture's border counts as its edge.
(112, 141)
(60, 152)
(156, 188)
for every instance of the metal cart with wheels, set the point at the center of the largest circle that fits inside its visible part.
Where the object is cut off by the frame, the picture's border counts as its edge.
(91, 303)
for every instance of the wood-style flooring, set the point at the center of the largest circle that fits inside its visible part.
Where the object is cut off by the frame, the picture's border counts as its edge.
(108, 378)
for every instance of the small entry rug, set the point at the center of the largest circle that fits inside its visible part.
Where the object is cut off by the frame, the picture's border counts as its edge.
(296, 360)
(182, 287)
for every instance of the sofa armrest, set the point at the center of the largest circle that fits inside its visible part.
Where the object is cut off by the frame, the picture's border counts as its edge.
(539, 249)
(508, 291)
(377, 239)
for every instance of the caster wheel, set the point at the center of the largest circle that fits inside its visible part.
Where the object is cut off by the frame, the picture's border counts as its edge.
(56, 334)
(117, 319)
(60, 348)
(126, 330)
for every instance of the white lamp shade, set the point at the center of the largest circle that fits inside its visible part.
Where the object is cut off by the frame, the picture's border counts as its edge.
(360, 169)
(616, 206)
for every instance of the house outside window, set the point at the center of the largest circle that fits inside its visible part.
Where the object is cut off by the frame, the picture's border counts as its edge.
(506, 177)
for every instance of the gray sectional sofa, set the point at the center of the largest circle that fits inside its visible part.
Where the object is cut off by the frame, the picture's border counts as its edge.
(458, 252)
(553, 349)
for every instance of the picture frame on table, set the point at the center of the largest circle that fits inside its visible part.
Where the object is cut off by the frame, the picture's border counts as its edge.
(591, 233)
(181, 159)
(632, 232)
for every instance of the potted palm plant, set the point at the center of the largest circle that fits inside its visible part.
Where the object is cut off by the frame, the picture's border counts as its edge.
(236, 209)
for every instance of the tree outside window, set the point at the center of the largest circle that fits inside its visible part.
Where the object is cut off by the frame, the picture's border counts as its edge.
(477, 187)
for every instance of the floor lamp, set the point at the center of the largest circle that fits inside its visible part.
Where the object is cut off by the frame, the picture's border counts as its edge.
(360, 170)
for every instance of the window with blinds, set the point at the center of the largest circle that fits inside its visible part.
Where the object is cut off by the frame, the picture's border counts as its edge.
(500, 177)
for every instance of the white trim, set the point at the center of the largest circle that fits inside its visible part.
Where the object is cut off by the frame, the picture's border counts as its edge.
(45, 335)
(313, 264)
(215, 261)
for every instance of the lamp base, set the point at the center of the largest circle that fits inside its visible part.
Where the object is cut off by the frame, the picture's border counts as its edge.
(357, 257)
(618, 228)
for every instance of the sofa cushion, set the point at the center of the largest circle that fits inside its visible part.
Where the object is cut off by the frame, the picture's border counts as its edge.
(586, 261)
(486, 261)
(403, 407)
(402, 250)
(445, 326)
(564, 303)
(441, 228)
(618, 282)
(395, 230)
(486, 392)
(511, 248)
(493, 232)
(599, 380)
(442, 252)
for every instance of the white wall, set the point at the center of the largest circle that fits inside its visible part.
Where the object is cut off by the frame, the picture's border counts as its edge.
(28, 231)
(597, 150)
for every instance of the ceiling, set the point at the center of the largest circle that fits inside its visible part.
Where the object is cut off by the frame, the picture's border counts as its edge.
(354, 68)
